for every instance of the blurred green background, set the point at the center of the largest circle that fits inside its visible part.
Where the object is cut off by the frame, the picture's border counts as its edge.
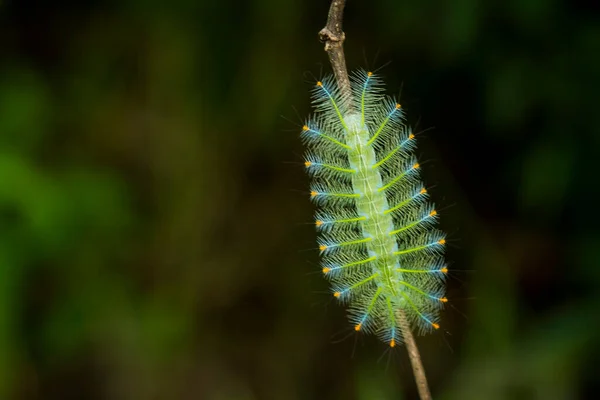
(155, 227)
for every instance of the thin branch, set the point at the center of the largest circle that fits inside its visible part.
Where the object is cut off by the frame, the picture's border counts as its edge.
(415, 356)
(333, 37)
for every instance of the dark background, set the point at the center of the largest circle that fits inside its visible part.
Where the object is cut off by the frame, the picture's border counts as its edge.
(155, 226)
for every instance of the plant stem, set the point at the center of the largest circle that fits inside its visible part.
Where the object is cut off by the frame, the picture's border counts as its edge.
(415, 356)
(333, 37)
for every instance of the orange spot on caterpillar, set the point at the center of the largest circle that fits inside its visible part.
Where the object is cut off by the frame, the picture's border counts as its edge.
(392, 343)
(444, 300)
(318, 222)
(326, 270)
(442, 241)
(398, 106)
(369, 74)
(433, 213)
(435, 326)
(423, 191)
(444, 270)
(313, 193)
(416, 166)
(322, 247)
(319, 83)
(307, 164)
(305, 128)
(337, 294)
(411, 136)
(357, 327)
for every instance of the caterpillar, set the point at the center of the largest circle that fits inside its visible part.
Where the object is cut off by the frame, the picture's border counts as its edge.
(379, 245)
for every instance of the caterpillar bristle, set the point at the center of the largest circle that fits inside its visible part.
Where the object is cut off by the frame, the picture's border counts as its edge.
(379, 245)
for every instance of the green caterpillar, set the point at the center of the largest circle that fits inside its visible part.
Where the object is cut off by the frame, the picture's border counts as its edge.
(379, 245)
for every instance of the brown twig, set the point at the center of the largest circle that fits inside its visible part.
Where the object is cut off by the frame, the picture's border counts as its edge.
(333, 37)
(415, 356)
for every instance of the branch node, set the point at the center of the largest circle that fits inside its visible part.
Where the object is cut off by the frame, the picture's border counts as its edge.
(326, 35)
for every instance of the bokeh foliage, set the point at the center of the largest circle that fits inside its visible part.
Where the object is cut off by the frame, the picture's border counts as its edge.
(155, 237)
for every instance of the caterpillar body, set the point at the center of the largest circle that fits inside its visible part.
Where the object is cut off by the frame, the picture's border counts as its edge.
(378, 240)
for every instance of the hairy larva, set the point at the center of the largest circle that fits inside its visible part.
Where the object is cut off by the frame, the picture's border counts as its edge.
(379, 244)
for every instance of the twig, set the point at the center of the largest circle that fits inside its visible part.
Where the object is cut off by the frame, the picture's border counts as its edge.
(415, 357)
(333, 37)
